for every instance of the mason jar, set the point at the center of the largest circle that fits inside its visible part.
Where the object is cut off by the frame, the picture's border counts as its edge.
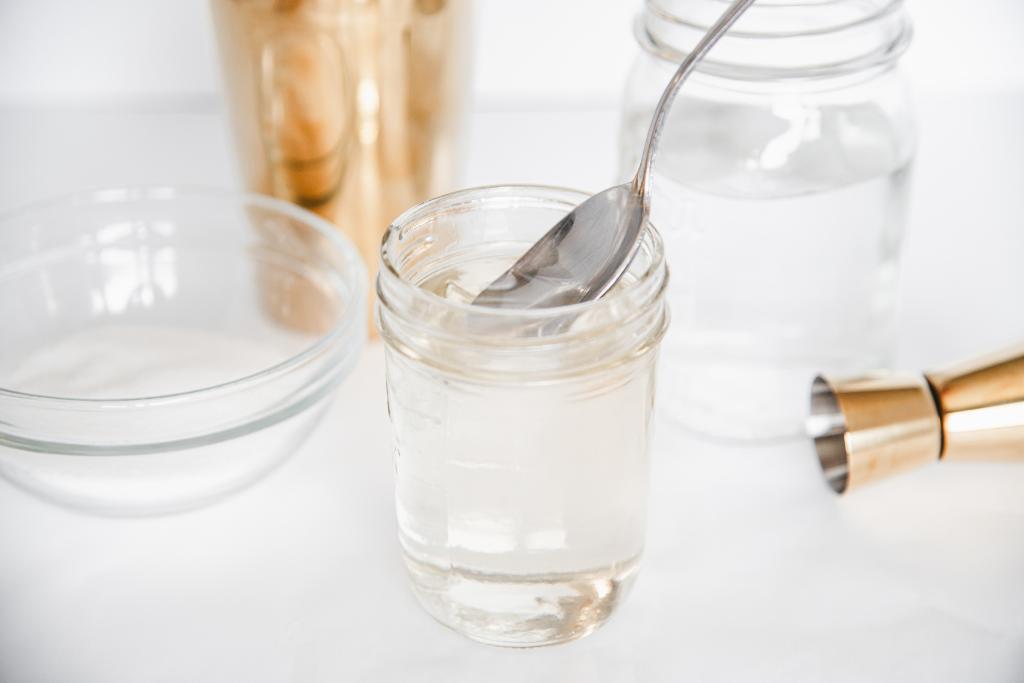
(521, 436)
(780, 187)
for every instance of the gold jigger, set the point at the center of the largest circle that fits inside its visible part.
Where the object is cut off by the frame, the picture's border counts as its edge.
(866, 428)
(349, 108)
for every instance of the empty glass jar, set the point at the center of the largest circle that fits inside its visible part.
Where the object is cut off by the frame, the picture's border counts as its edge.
(521, 436)
(781, 191)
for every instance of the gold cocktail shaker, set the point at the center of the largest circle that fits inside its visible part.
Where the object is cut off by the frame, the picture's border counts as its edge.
(866, 428)
(349, 108)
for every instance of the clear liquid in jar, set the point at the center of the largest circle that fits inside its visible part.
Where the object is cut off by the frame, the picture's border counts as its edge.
(521, 505)
(782, 226)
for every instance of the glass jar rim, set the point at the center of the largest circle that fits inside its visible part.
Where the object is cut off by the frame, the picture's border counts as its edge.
(666, 34)
(346, 326)
(525, 194)
(509, 345)
(882, 10)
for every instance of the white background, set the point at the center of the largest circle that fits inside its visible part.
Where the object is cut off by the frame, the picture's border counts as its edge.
(753, 570)
(564, 51)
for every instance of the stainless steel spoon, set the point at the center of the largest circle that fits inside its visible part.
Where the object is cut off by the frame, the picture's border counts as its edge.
(586, 253)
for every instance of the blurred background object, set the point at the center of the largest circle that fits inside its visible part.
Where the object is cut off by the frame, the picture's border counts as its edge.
(781, 188)
(350, 109)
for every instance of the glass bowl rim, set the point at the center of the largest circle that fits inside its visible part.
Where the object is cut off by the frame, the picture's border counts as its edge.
(354, 274)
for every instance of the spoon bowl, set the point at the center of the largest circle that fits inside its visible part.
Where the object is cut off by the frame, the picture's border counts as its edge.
(579, 259)
(585, 253)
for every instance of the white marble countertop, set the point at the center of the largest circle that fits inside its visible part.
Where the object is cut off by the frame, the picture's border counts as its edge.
(753, 571)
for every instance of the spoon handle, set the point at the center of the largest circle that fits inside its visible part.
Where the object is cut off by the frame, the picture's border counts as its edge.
(723, 24)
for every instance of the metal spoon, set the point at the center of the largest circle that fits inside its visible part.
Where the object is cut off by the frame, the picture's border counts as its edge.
(586, 253)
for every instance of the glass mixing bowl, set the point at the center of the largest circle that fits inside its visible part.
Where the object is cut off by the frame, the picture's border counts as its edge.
(162, 348)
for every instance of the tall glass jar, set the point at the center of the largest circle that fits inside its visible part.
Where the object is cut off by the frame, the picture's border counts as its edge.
(781, 190)
(521, 436)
